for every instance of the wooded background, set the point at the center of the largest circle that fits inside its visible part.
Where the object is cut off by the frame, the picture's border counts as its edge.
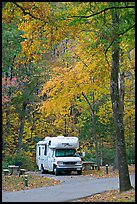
(68, 68)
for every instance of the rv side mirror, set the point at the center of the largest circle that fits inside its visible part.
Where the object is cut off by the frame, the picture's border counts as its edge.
(83, 154)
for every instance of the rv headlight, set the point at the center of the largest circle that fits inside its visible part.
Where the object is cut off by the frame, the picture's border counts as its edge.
(79, 162)
(59, 162)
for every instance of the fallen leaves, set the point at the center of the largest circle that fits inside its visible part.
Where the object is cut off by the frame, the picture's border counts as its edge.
(111, 196)
(111, 173)
(16, 183)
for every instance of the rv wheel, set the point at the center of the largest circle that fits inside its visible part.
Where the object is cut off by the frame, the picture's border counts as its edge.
(56, 171)
(42, 169)
(79, 172)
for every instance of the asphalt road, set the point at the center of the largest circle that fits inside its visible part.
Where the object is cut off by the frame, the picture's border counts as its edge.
(72, 187)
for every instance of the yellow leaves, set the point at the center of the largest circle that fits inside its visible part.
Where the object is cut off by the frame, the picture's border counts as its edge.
(34, 25)
(69, 82)
(59, 122)
(7, 11)
(105, 112)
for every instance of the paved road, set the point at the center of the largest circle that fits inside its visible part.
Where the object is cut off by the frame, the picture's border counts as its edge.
(72, 187)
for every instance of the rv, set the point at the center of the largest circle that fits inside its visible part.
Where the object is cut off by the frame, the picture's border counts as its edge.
(58, 154)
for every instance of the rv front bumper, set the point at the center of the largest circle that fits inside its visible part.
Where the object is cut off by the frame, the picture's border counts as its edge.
(69, 168)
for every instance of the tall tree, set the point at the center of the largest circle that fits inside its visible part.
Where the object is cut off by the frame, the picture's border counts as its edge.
(117, 106)
(97, 31)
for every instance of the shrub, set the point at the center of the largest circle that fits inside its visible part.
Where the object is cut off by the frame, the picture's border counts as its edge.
(108, 156)
(19, 159)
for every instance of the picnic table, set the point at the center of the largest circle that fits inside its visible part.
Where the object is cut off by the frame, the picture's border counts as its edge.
(13, 169)
(88, 165)
(6, 171)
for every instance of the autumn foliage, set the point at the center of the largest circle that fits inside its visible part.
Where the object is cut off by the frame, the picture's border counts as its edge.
(56, 73)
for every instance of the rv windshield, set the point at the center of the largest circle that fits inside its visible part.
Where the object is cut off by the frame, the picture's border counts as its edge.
(65, 152)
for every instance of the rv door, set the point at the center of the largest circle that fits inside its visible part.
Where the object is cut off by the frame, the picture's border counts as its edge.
(50, 159)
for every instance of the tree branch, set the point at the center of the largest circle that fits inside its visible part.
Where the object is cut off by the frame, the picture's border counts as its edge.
(27, 13)
(80, 59)
(87, 101)
(106, 9)
(122, 33)
(107, 50)
(126, 30)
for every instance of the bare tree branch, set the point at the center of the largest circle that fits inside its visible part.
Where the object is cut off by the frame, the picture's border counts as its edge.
(122, 33)
(106, 9)
(107, 50)
(126, 30)
(87, 100)
(28, 13)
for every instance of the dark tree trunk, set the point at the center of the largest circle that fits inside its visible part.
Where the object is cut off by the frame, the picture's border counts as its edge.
(115, 166)
(92, 107)
(124, 180)
(121, 94)
(101, 153)
(8, 119)
(21, 129)
(95, 135)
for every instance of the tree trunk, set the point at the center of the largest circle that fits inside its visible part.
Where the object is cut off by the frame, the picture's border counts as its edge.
(101, 153)
(115, 166)
(92, 107)
(121, 94)
(21, 129)
(7, 119)
(124, 180)
(95, 135)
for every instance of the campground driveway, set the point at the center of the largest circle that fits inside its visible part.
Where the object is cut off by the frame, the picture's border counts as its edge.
(72, 187)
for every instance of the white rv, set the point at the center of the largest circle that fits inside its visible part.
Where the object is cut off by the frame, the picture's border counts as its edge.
(57, 154)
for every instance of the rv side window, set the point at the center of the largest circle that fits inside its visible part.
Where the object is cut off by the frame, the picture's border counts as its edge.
(39, 151)
(45, 153)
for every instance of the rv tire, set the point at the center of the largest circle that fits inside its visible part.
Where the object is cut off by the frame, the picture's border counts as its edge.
(42, 169)
(79, 172)
(56, 172)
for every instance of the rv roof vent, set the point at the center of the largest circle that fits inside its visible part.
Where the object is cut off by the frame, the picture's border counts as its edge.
(60, 136)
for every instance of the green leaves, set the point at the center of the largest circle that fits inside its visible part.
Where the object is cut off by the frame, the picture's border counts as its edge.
(11, 47)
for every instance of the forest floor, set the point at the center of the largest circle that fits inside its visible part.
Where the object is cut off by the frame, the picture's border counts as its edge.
(16, 183)
(112, 195)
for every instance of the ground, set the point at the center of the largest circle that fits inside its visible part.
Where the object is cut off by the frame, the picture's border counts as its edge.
(15, 183)
(111, 196)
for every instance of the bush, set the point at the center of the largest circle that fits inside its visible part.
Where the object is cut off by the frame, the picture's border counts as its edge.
(90, 157)
(19, 159)
(108, 156)
(131, 155)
